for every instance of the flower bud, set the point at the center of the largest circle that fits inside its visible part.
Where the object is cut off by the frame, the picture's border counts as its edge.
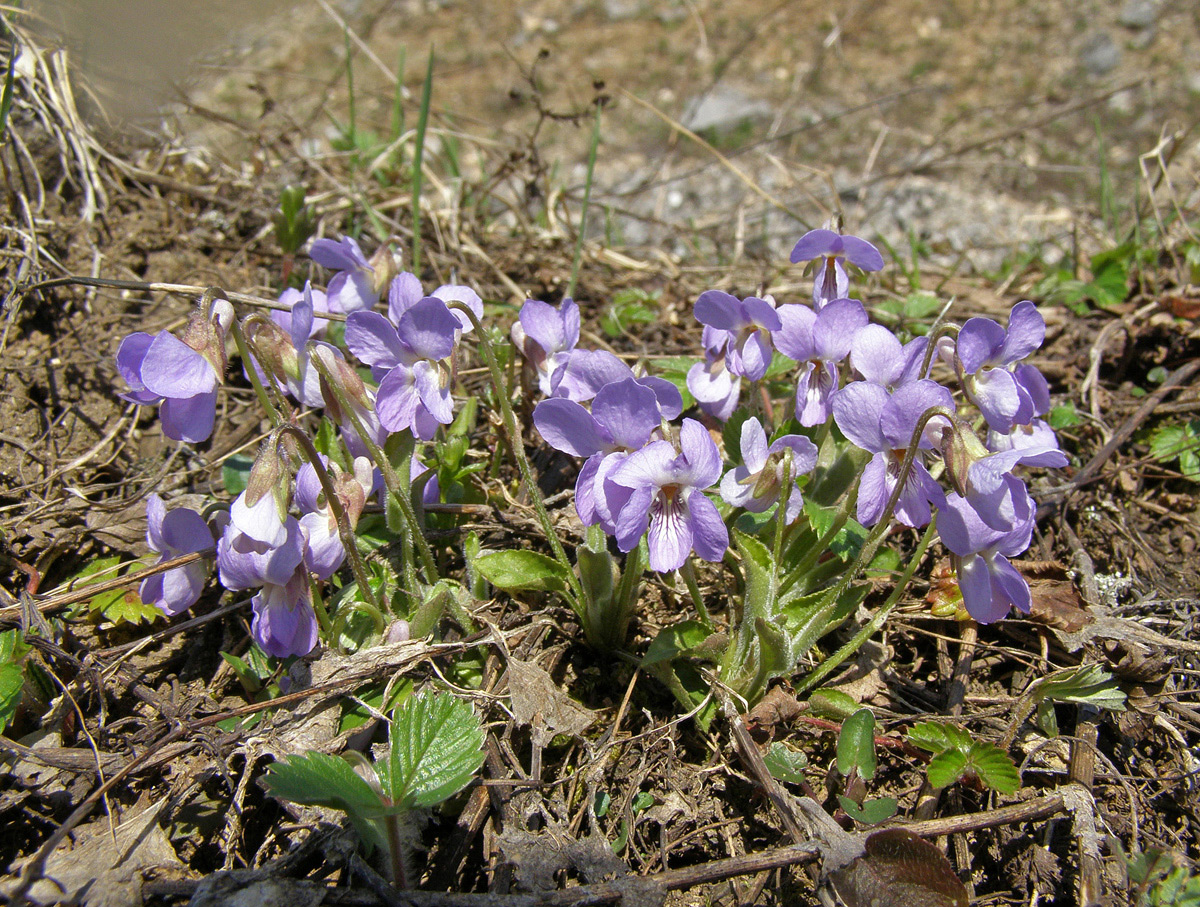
(206, 335)
(347, 381)
(274, 350)
(961, 448)
(386, 265)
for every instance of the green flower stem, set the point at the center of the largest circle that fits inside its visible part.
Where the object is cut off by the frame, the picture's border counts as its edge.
(785, 495)
(833, 661)
(397, 486)
(319, 609)
(345, 530)
(264, 399)
(688, 572)
(395, 850)
(518, 449)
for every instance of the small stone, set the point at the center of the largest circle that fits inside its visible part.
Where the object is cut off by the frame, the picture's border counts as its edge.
(723, 109)
(1100, 54)
(1139, 13)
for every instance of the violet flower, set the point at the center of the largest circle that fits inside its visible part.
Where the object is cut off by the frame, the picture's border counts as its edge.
(405, 291)
(181, 374)
(352, 288)
(745, 326)
(986, 354)
(546, 336)
(323, 550)
(831, 281)
(714, 386)
(818, 341)
(990, 584)
(181, 531)
(758, 482)
(624, 416)
(412, 359)
(667, 500)
(320, 305)
(584, 373)
(285, 623)
(878, 356)
(882, 425)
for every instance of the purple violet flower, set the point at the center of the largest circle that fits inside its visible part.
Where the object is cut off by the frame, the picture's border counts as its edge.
(882, 425)
(181, 374)
(352, 288)
(990, 584)
(624, 416)
(986, 354)
(290, 297)
(714, 386)
(405, 291)
(877, 355)
(667, 500)
(412, 360)
(284, 622)
(245, 563)
(546, 336)
(818, 341)
(831, 281)
(745, 326)
(182, 531)
(758, 482)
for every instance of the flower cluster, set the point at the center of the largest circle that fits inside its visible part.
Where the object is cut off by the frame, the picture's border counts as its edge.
(644, 478)
(280, 537)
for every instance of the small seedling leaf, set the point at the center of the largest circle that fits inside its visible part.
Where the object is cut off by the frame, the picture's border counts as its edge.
(947, 767)
(872, 812)
(994, 768)
(317, 779)
(514, 571)
(436, 749)
(830, 703)
(856, 745)
(675, 640)
(929, 736)
(12, 681)
(1084, 685)
(785, 763)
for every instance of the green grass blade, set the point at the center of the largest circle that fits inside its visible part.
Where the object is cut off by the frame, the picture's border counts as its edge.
(418, 159)
(587, 197)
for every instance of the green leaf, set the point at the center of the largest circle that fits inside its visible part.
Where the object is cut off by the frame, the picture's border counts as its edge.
(785, 763)
(830, 703)
(1084, 685)
(1064, 416)
(515, 570)
(856, 745)
(994, 768)
(872, 812)
(947, 767)
(316, 779)
(674, 641)
(436, 749)
(12, 681)
(235, 473)
(938, 737)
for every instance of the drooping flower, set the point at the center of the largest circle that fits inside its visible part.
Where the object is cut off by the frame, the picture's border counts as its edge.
(990, 584)
(833, 249)
(714, 386)
(545, 336)
(883, 425)
(352, 288)
(320, 305)
(323, 550)
(743, 327)
(624, 416)
(181, 374)
(667, 501)
(758, 482)
(284, 622)
(818, 341)
(181, 531)
(987, 354)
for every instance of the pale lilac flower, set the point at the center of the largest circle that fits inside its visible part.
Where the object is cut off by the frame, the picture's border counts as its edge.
(284, 622)
(987, 353)
(320, 305)
(352, 288)
(182, 531)
(818, 341)
(882, 425)
(743, 327)
(990, 584)
(182, 375)
(405, 291)
(412, 359)
(831, 281)
(878, 356)
(246, 563)
(667, 500)
(584, 373)
(624, 416)
(758, 482)
(545, 336)
(323, 550)
(714, 386)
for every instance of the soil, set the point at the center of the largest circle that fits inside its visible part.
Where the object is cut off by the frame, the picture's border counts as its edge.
(988, 144)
